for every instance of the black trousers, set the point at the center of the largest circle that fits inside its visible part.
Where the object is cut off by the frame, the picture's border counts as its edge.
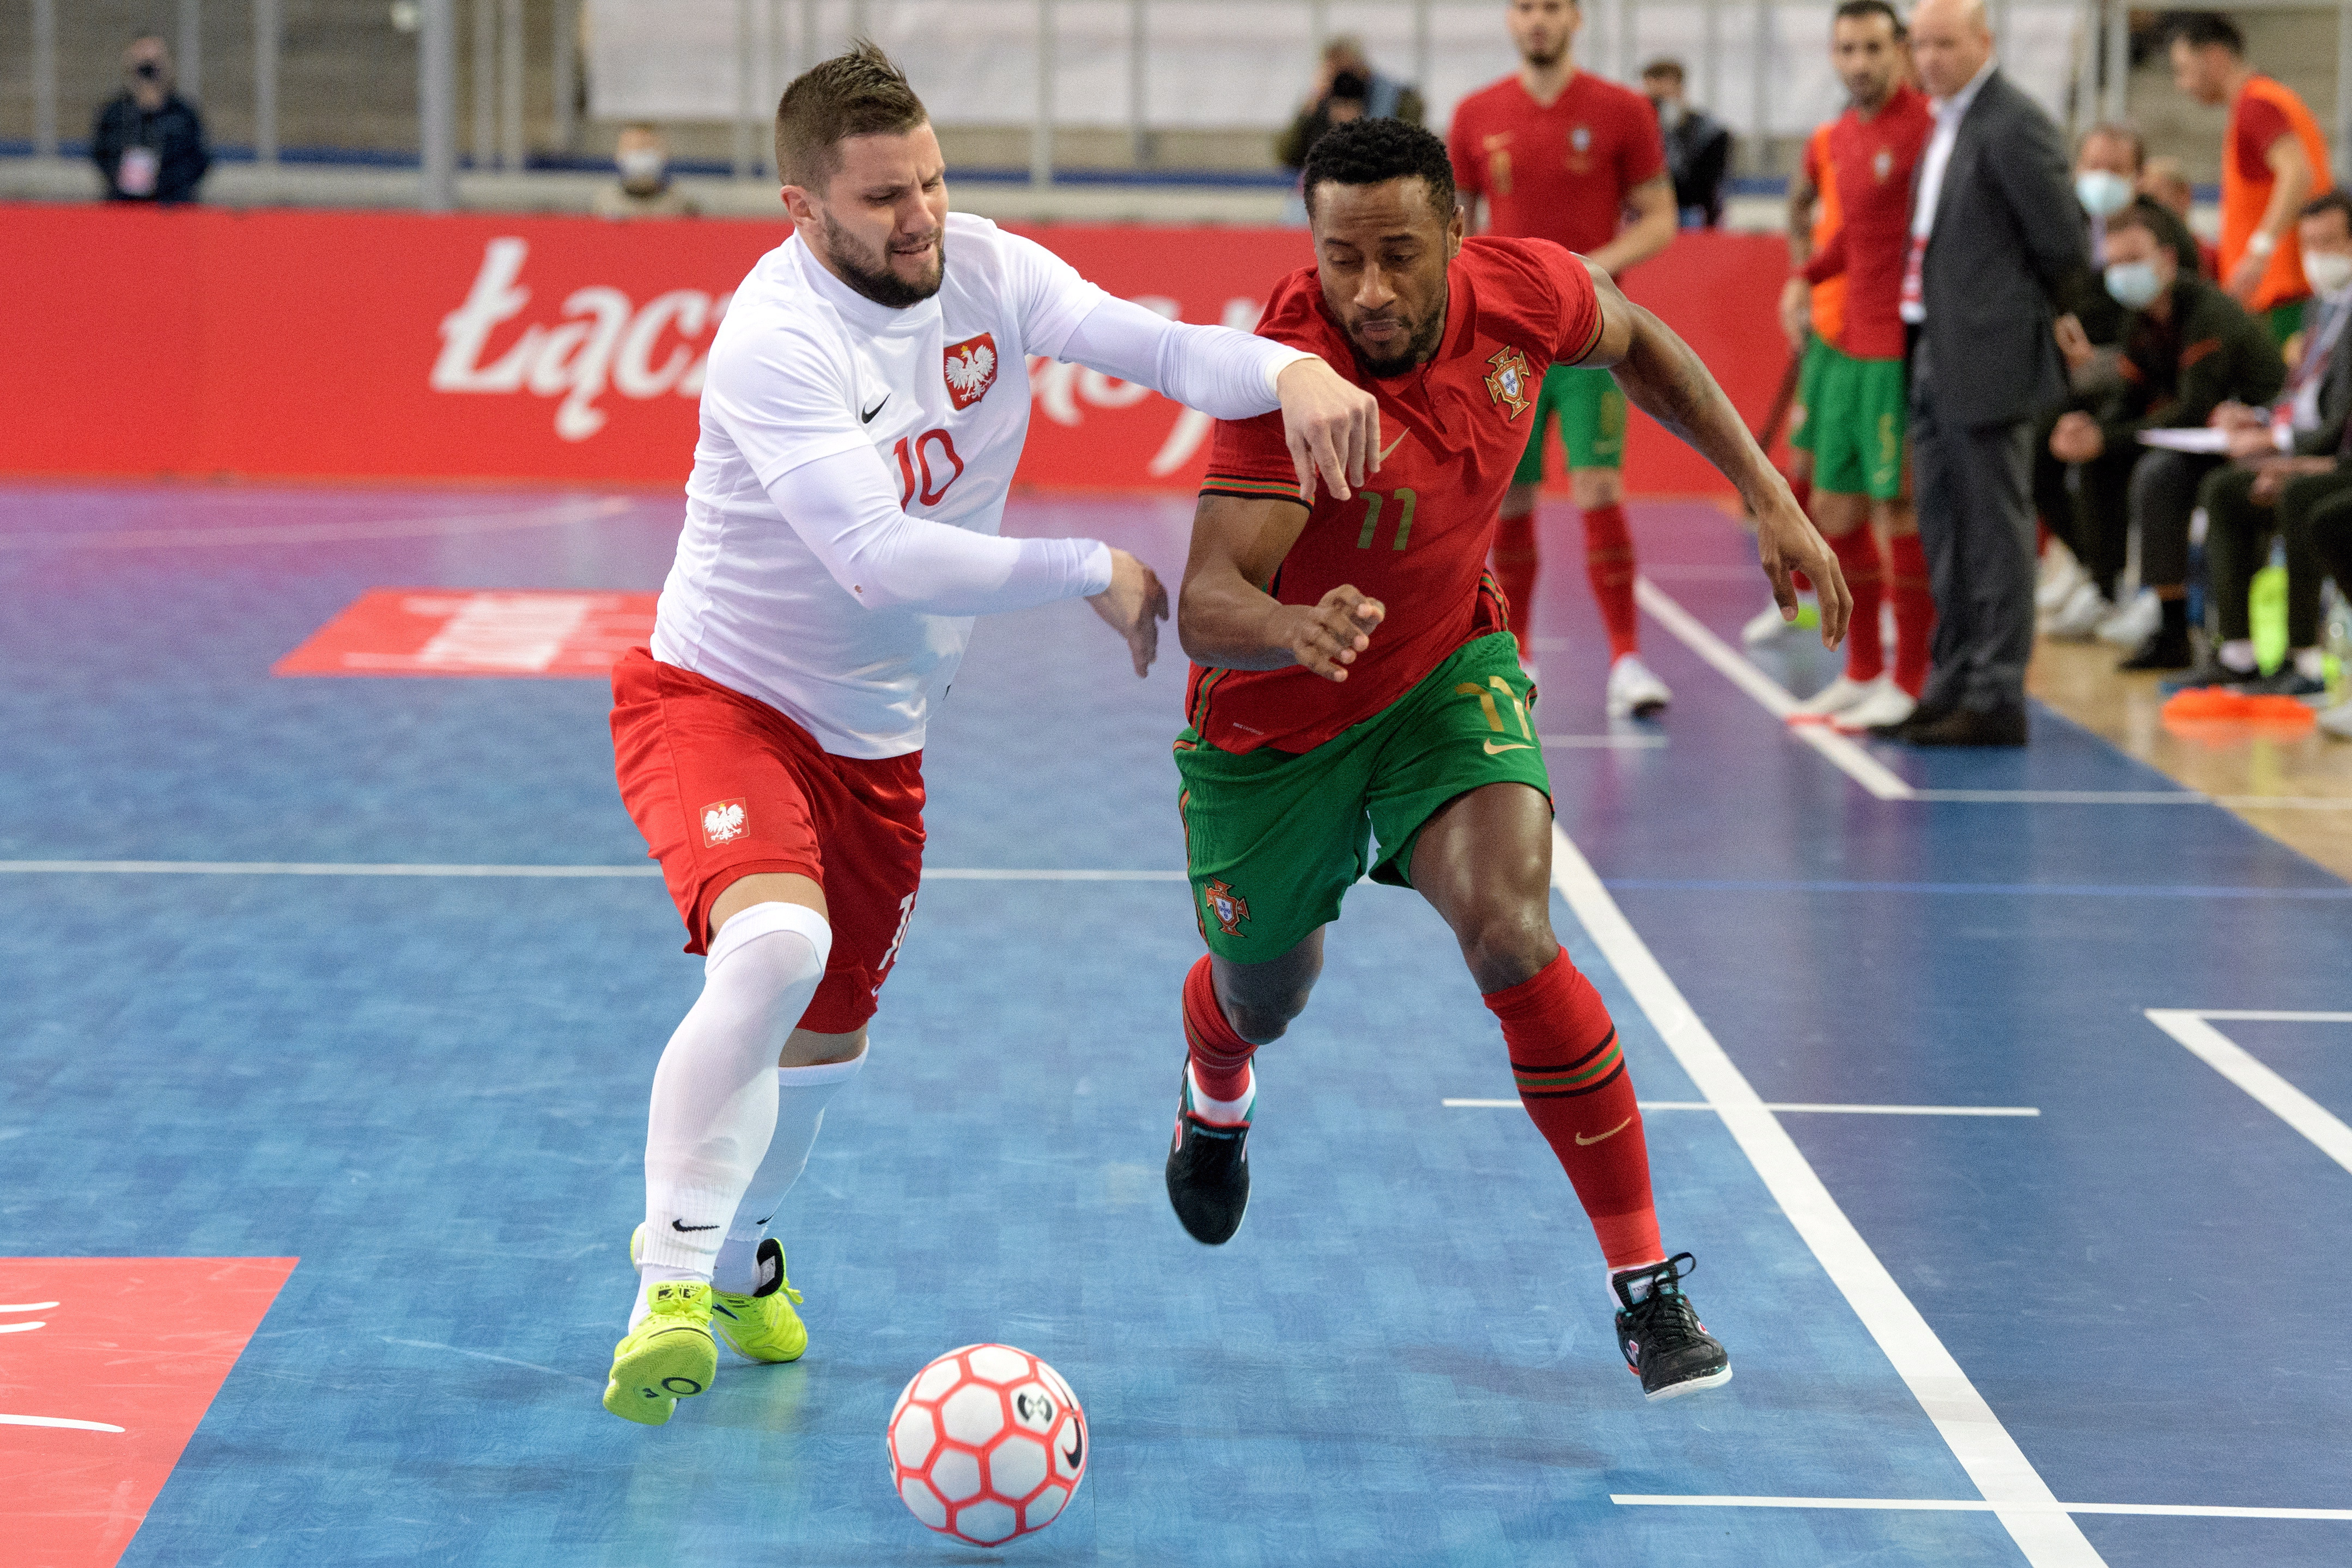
(2103, 515)
(2327, 527)
(2237, 545)
(1973, 485)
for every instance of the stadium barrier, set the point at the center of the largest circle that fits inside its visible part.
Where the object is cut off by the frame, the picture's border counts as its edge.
(393, 345)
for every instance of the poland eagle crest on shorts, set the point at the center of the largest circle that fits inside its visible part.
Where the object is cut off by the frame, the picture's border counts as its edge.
(805, 368)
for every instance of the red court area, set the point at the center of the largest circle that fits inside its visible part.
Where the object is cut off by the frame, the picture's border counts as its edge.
(106, 1366)
(458, 631)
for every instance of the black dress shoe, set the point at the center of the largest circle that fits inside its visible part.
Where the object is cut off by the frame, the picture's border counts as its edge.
(1971, 727)
(2162, 650)
(1921, 716)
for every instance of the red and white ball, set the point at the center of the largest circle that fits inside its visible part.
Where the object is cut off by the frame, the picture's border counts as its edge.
(987, 1443)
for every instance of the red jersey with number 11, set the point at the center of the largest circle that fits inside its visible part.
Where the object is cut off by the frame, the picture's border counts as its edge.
(1452, 430)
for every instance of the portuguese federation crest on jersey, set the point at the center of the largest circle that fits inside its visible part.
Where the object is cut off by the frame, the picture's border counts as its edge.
(970, 369)
(1511, 382)
(1230, 908)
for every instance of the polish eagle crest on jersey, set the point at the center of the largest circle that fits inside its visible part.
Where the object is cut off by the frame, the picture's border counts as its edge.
(970, 369)
(1507, 383)
(723, 822)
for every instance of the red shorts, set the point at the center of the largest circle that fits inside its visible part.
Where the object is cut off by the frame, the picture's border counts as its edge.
(723, 786)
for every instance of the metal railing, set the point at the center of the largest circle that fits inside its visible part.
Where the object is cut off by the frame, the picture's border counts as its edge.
(778, 37)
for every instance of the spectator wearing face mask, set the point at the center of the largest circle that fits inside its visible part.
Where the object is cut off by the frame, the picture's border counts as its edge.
(2188, 349)
(2165, 181)
(2091, 519)
(1698, 145)
(2290, 460)
(147, 141)
(643, 189)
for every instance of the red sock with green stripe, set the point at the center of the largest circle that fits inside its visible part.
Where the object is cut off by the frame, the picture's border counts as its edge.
(1572, 1079)
(1514, 561)
(1221, 1058)
(1609, 564)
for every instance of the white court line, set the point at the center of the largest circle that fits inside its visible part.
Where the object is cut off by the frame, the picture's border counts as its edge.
(69, 1424)
(1769, 694)
(374, 868)
(2281, 1098)
(2066, 796)
(562, 512)
(1605, 743)
(1783, 1106)
(2020, 1499)
(1958, 1505)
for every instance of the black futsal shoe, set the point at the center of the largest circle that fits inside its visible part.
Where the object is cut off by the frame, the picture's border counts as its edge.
(1663, 1343)
(2164, 648)
(1208, 1171)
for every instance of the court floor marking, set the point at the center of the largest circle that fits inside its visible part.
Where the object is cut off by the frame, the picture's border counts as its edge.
(1856, 762)
(377, 869)
(575, 511)
(1958, 1505)
(2195, 1030)
(1841, 751)
(2015, 1490)
(1628, 742)
(1781, 1106)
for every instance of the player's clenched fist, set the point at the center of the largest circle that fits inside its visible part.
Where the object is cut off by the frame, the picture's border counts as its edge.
(1135, 603)
(1327, 637)
(1332, 425)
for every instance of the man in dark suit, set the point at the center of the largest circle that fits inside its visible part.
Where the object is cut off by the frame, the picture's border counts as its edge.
(2290, 458)
(1997, 254)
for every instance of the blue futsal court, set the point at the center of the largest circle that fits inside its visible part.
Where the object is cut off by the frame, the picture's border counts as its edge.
(2010, 1268)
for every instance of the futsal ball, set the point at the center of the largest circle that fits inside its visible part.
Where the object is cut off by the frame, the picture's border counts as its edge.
(987, 1443)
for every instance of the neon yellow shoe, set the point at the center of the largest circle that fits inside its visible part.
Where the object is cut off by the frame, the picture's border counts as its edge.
(762, 1326)
(668, 1357)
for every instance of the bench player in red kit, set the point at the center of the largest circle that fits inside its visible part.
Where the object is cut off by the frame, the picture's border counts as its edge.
(1355, 683)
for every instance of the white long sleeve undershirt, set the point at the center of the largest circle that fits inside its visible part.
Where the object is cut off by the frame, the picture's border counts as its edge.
(846, 507)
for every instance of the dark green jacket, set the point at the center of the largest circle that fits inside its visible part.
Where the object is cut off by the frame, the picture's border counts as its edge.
(2177, 371)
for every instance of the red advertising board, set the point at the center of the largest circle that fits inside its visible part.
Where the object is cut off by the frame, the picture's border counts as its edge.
(400, 345)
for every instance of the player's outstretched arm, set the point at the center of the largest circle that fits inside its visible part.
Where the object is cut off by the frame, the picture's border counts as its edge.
(1227, 620)
(1332, 425)
(1670, 384)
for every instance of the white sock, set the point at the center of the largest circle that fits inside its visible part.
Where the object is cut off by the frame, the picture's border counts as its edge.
(1222, 1112)
(714, 1098)
(2237, 654)
(802, 1094)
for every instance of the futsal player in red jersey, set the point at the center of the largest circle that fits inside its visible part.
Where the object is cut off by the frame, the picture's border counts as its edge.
(1862, 491)
(1558, 153)
(1354, 679)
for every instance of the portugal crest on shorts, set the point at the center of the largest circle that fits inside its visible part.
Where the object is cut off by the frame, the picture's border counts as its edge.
(1509, 383)
(970, 369)
(1230, 908)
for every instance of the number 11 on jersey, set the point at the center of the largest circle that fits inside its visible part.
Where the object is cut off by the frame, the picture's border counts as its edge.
(1373, 499)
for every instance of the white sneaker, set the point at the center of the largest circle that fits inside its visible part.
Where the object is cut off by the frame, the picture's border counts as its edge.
(2060, 574)
(2134, 623)
(1766, 625)
(2337, 722)
(1887, 704)
(1835, 697)
(1635, 690)
(2080, 614)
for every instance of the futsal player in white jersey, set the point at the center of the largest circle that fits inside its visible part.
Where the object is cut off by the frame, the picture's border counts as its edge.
(865, 403)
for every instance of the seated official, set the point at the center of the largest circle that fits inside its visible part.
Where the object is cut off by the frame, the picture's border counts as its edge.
(2289, 458)
(2187, 348)
(2110, 165)
(2328, 525)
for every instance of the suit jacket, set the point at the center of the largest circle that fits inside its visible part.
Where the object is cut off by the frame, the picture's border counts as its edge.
(2325, 440)
(2006, 256)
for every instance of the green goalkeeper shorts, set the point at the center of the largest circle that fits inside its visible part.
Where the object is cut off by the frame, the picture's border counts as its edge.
(1275, 839)
(1590, 409)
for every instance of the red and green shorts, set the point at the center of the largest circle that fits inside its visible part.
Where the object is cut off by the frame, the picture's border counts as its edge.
(1275, 839)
